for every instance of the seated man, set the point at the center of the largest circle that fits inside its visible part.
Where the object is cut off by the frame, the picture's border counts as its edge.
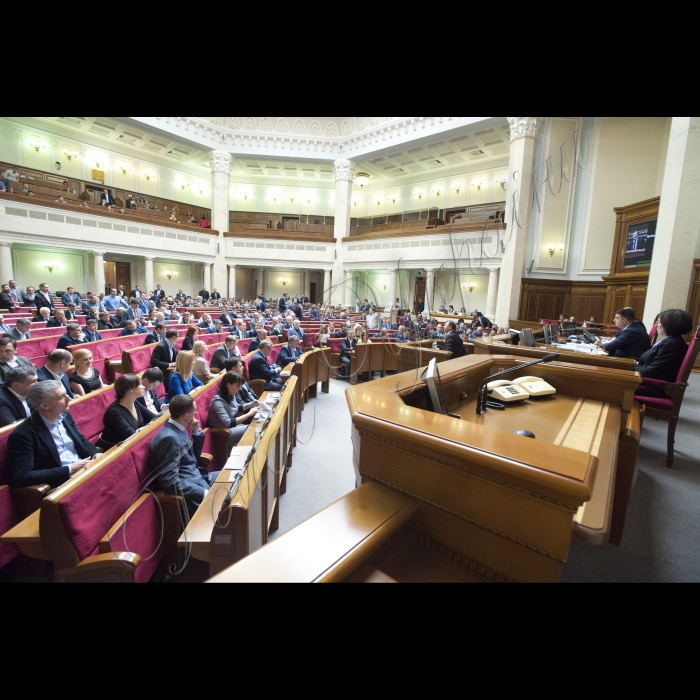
(44, 316)
(57, 364)
(290, 353)
(9, 359)
(228, 319)
(72, 312)
(73, 336)
(218, 328)
(165, 355)
(21, 330)
(157, 335)
(255, 344)
(261, 369)
(105, 323)
(91, 303)
(633, 339)
(132, 329)
(297, 331)
(4, 328)
(224, 353)
(174, 456)
(13, 395)
(150, 381)
(58, 320)
(48, 447)
(347, 350)
(91, 333)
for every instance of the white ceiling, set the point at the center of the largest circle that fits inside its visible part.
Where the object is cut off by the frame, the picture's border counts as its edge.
(477, 146)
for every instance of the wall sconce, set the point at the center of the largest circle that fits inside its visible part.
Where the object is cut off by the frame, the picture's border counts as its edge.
(170, 275)
(553, 248)
(51, 267)
(391, 199)
(502, 181)
(378, 202)
(150, 176)
(125, 169)
(362, 179)
(457, 188)
(283, 282)
(418, 193)
(478, 183)
(68, 155)
(291, 200)
(470, 287)
(437, 192)
(37, 145)
(354, 202)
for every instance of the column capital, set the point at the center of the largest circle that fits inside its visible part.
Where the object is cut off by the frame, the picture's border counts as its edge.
(344, 171)
(5, 244)
(97, 252)
(148, 257)
(524, 127)
(220, 162)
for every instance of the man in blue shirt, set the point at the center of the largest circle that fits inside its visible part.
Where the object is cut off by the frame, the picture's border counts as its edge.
(70, 297)
(113, 302)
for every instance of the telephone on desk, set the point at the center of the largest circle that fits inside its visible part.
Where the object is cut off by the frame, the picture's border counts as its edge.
(520, 390)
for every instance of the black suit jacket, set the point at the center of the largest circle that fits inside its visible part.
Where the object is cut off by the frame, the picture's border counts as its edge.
(664, 360)
(205, 295)
(32, 455)
(219, 358)
(11, 410)
(634, 341)
(455, 345)
(161, 359)
(108, 199)
(41, 303)
(288, 356)
(43, 375)
(6, 301)
(66, 342)
(156, 402)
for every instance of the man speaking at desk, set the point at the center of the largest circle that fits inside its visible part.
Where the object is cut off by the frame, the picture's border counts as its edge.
(632, 340)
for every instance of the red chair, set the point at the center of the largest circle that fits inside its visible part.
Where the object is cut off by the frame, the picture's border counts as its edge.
(669, 408)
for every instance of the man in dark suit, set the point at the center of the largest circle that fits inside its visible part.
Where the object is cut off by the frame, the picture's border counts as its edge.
(7, 301)
(347, 350)
(21, 330)
(157, 335)
(261, 369)
(151, 380)
(205, 295)
(105, 323)
(215, 296)
(180, 296)
(225, 352)
(13, 396)
(44, 299)
(453, 342)
(132, 328)
(158, 296)
(58, 321)
(282, 304)
(71, 338)
(70, 297)
(132, 313)
(57, 364)
(48, 447)
(291, 352)
(107, 200)
(9, 359)
(228, 319)
(91, 333)
(175, 457)
(633, 339)
(91, 303)
(165, 355)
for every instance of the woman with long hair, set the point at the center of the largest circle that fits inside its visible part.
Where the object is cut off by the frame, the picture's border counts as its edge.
(85, 379)
(201, 369)
(188, 342)
(125, 416)
(183, 381)
(226, 410)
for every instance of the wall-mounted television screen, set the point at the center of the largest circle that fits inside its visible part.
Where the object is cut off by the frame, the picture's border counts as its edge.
(640, 245)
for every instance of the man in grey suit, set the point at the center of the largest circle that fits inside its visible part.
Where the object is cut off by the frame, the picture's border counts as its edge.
(9, 359)
(16, 292)
(174, 456)
(21, 330)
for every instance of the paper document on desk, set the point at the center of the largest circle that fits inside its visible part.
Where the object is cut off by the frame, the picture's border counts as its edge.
(236, 461)
(265, 411)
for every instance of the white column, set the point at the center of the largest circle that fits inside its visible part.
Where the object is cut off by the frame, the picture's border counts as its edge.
(672, 269)
(150, 279)
(523, 137)
(347, 288)
(393, 284)
(257, 281)
(99, 260)
(492, 298)
(307, 284)
(232, 282)
(5, 263)
(429, 293)
(220, 185)
(207, 277)
(326, 285)
(344, 179)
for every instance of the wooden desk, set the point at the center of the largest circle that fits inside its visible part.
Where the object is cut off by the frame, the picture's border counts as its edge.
(504, 503)
(577, 358)
(222, 540)
(27, 537)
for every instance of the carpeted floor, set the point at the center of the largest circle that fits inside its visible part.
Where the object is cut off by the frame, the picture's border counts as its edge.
(660, 543)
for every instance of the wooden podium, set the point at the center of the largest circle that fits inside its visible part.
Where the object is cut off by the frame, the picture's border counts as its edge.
(499, 507)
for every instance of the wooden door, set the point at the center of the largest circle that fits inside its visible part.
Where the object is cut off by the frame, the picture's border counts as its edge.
(110, 276)
(124, 277)
(312, 293)
(420, 294)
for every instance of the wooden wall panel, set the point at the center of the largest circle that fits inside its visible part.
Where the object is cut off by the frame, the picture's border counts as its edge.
(547, 299)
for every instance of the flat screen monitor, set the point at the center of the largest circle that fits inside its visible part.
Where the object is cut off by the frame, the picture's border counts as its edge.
(527, 338)
(437, 393)
(569, 326)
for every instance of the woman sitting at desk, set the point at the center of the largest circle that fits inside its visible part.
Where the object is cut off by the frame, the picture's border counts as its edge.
(183, 380)
(226, 411)
(664, 361)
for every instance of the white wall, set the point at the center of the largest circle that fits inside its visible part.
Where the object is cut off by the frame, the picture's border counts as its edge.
(185, 279)
(29, 268)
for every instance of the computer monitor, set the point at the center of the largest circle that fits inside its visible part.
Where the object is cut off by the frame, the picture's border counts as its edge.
(527, 338)
(569, 326)
(437, 393)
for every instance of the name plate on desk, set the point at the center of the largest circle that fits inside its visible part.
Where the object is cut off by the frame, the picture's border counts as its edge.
(236, 462)
(286, 375)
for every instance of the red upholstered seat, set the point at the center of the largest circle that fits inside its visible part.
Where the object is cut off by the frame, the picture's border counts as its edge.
(4, 438)
(89, 411)
(91, 510)
(243, 347)
(661, 404)
(140, 455)
(139, 532)
(8, 519)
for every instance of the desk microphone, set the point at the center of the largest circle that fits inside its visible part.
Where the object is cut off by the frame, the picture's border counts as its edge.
(232, 492)
(482, 397)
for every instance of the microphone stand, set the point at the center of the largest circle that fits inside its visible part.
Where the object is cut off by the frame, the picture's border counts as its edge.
(482, 397)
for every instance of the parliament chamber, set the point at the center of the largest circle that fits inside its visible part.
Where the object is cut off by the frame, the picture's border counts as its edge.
(349, 349)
